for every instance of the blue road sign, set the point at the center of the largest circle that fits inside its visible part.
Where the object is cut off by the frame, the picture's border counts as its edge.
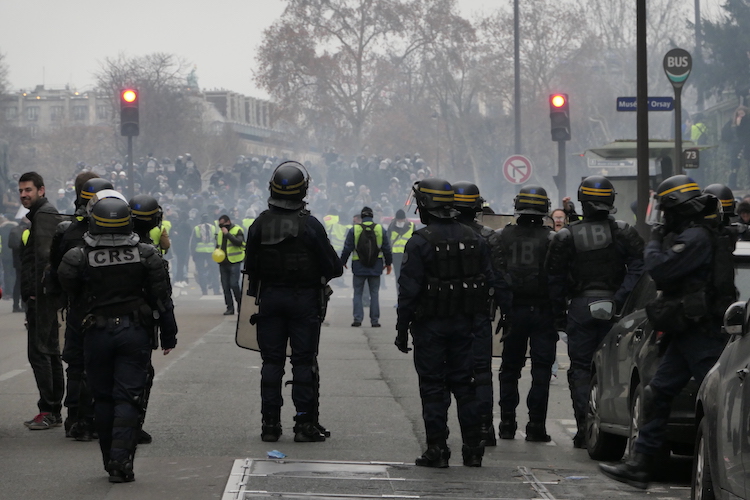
(654, 104)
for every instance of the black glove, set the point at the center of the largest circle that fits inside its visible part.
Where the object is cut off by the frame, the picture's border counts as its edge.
(402, 341)
(657, 233)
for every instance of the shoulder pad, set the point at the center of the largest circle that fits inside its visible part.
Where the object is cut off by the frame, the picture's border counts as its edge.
(62, 227)
(563, 234)
(74, 257)
(146, 250)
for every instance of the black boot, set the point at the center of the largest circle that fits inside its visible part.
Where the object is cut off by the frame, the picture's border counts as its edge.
(507, 428)
(271, 429)
(487, 430)
(83, 430)
(472, 455)
(537, 432)
(120, 472)
(635, 471)
(306, 430)
(437, 456)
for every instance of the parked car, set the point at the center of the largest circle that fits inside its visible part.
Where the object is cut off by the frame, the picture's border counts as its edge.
(624, 364)
(722, 410)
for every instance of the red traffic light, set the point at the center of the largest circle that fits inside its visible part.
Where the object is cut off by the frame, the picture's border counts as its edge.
(558, 100)
(129, 95)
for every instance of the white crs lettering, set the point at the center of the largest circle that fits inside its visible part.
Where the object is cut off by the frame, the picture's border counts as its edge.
(112, 256)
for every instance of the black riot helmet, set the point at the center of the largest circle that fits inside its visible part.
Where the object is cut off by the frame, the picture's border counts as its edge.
(288, 186)
(597, 194)
(680, 196)
(532, 200)
(110, 216)
(725, 196)
(466, 196)
(91, 187)
(147, 213)
(434, 197)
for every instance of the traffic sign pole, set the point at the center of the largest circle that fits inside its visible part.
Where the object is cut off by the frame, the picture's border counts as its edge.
(561, 174)
(678, 131)
(677, 66)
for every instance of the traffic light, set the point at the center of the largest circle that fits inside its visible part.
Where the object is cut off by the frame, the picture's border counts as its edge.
(129, 112)
(559, 114)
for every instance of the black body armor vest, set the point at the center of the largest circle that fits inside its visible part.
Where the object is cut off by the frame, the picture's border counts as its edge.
(455, 283)
(524, 250)
(115, 280)
(283, 257)
(597, 264)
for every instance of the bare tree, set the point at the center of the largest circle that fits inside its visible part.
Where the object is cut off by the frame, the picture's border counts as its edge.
(331, 61)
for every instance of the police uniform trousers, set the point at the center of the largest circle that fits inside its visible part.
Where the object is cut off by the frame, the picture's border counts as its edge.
(44, 353)
(584, 336)
(288, 314)
(691, 353)
(117, 357)
(482, 330)
(78, 398)
(444, 361)
(531, 328)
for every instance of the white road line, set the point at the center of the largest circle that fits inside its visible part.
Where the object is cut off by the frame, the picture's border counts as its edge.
(188, 351)
(10, 374)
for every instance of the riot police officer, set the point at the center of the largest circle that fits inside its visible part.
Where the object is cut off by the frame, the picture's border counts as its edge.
(596, 258)
(443, 285)
(120, 284)
(147, 217)
(524, 298)
(79, 423)
(289, 261)
(692, 267)
(468, 202)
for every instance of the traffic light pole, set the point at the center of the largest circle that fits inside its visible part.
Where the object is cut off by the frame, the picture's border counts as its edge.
(561, 170)
(131, 181)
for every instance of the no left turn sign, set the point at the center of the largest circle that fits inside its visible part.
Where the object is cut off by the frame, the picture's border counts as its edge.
(517, 169)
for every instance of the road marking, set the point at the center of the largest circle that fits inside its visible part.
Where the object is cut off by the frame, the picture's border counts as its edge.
(535, 483)
(189, 350)
(10, 374)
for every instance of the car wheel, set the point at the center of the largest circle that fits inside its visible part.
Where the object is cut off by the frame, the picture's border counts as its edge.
(601, 445)
(703, 487)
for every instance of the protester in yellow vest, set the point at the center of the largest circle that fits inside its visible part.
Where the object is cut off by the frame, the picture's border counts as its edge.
(202, 244)
(231, 241)
(399, 231)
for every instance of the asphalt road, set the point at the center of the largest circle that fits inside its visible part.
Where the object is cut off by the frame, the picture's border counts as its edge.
(205, 418)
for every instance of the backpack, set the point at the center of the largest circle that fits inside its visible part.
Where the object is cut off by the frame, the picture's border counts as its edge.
(367, 245)
(207, 233)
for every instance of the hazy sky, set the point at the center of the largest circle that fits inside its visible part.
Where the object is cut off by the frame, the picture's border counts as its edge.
(63, 43)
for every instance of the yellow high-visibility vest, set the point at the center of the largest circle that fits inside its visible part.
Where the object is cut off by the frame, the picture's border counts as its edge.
(234, 253)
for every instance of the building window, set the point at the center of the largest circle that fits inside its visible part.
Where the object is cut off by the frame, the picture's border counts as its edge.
(57, 113)
(33, 130)
(11, 113)
(102, 112)
(80, 113)
(32, 113)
